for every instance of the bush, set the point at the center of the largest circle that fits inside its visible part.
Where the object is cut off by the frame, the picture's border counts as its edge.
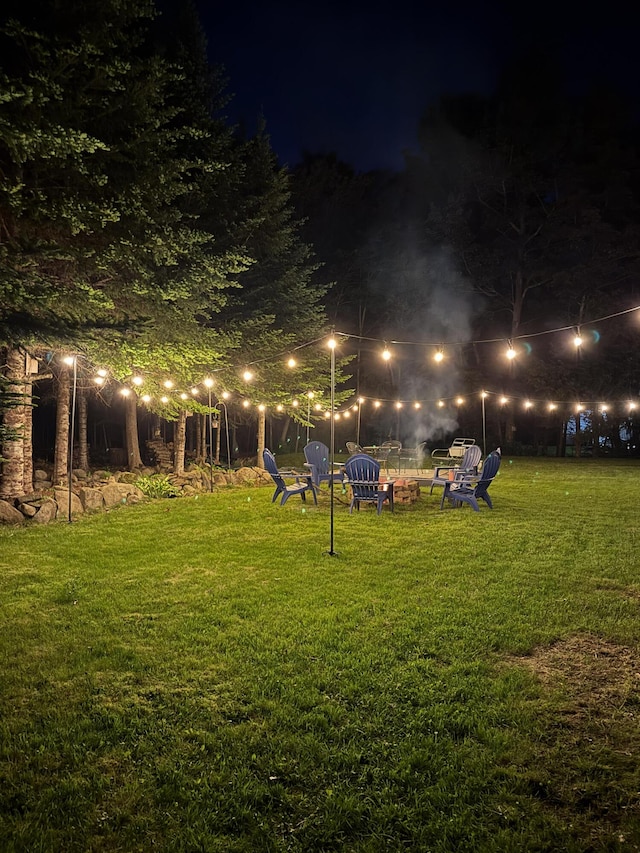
(157, 486)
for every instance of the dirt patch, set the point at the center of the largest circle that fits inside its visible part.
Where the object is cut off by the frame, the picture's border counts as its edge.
(597, 675)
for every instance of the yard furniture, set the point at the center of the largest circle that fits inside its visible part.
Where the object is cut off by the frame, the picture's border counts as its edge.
(472, 488)
(317, 455)
(454, 452)
(363, 476)
(442, 474)
(412, 457)
(303, 482)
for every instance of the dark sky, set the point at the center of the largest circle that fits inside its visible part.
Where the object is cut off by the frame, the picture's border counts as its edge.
(353, 77)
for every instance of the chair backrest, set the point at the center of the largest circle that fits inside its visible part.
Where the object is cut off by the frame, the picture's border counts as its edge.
(392, 444)
(271, 465)
(362, 468)
(471, 458)
(316, 453)
(352, 447)
(459, 447)
(489, 471)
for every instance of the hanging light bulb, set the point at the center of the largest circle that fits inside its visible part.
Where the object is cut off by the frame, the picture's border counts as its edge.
(125, 392)
(146, 398)
(262, 407)
(194, 391)
(398, 405)
(99, 380)
(441, 404)
(247, 376)
(164, 399)
(102, 373)
(386, 354)
(528, 404)
(184, 396)
(168, 384)
(225, 395)
(459, 401)
(577, 340)
(137, 380)
(510, 353)
(552, 407)
(246, 404)
(291, 363)
(417, 405)
(438, 355)
(504, 401)
(331, 343)
(295, 404)
(377, 404)
(208, 382)
(279, 407)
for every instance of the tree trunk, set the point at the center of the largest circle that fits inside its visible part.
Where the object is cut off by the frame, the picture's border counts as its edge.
(179, 444)
(61, 449)
(262, 429)
(83, 444)
(134, 460)
(12, 478)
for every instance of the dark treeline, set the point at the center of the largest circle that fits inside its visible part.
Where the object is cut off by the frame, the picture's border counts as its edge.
(518, 215)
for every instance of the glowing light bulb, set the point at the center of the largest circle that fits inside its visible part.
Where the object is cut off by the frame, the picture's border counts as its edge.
(441, 404)
(331, 343)
(279, 407)
(137, 380)
(292, 362)
(377, 404)
(398, 405)
(504, 401)
(632, 406)
(68, 359)
(225, 395)
(577, 341)
(146, 398)
(528, 404)
(318, 407)
(194, 391)
(168, 384)
(125, 391)
(484, 395)
(99, 380)
(246, 404)
(164, 399)
(102, 372)
(247, 376)
(184, 396)
(552, 407)
(459, 401)
(510, 353)
(336, 417)
(310, 395)
(327, 414)
(262, 407)
(417, 405)
(295, 404)
(438, 356)
(208, 382)
(603, 408)
(360, 400)
(386, 355)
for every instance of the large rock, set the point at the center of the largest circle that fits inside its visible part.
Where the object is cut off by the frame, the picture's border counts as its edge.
(46, 513)
(112, 494)
(40, 474)
(246, 475)
(62, 499)
(91, 499)
(220, 479)
(9, 514)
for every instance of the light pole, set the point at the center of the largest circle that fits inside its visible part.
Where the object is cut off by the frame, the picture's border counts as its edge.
(310, 397)
(226, 427)
(483, 397)
(209, 384)
(360, 402)
(71, 360)
(332, 433)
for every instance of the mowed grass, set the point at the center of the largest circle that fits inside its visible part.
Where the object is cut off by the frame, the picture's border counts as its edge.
(200, 675)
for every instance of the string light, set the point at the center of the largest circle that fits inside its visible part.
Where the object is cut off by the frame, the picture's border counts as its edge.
(291, 363)
(577, 341)
(511, 353)
(195, 392)
(146, 398)
(247, 376)
(438, 355)
(208, 382)
(460, 401)
(246, 404)
(164, 399)
(99, 380)
(504, 401)
(417, 405)
(168, 384)
(125, 392)
(137, 380)
(386, 354)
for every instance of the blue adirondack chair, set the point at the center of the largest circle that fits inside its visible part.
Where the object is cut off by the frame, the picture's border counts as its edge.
(472, 488)
(303, 483)
(317, 455)
(363, 475)
(468, 465)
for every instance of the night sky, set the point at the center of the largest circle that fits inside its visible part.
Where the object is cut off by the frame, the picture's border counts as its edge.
(354, 77)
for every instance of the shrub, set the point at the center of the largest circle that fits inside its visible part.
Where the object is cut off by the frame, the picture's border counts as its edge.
(157, 486)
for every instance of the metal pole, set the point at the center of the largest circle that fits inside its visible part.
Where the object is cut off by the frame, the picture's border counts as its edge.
(226, 426)
(72, 424)
(358, 425)
(308, 415)
(332, 431)
(210, 442)
(484, 427)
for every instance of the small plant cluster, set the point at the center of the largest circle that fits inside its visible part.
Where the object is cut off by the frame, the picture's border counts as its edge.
(157, 486)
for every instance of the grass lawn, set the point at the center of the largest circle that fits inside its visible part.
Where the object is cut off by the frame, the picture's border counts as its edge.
(199, 675)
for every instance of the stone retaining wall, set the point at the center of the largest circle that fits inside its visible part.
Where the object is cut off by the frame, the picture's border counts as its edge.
(102, 490)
